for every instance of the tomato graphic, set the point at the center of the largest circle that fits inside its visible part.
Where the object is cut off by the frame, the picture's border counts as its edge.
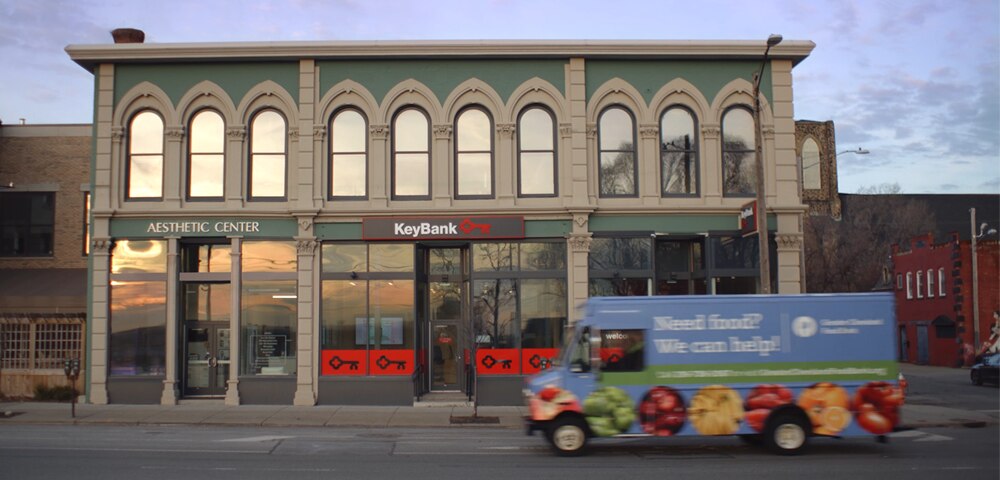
(662, 412)
(761, 400)
(877, 406)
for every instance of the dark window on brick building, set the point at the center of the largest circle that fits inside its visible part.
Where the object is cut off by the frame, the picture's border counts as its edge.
(26, 224)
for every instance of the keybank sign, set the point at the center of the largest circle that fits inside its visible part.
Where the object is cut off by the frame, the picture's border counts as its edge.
(442, 228)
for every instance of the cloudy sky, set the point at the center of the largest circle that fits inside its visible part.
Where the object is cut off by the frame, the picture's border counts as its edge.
(916, 82)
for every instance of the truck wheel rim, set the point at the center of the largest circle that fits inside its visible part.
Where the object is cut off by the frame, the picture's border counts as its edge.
(568, 438)
(789, 436)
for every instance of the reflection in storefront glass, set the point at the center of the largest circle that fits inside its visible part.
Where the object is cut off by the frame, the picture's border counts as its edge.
(269, 256)
(138, 328)
(618, 287)
(494, 312)
(139, 256)
(543, 256)
(543, 313)
(208, 258)
(391, 314)
(344, 302)
(268, 327)
(207, 302)
(619, 253)
(494, 257)
(345, 257)
(391, 257)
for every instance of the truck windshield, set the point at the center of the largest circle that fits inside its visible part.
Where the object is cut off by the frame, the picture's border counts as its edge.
(569, 339)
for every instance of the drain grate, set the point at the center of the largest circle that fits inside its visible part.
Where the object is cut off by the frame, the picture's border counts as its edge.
(470, 420)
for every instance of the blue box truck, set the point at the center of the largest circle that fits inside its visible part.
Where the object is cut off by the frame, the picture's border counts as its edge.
(772, 369)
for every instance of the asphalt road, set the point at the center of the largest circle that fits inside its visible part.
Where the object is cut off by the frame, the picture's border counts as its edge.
(245, 453)
(949, 387)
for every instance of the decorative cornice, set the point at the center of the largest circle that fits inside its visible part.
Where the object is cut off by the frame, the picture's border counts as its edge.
(649, 130)
(579, 242)
(101, 246)
(306, 246)
(379, 131)
(174, 134)
(565, 130)
(238, 132)
(319, 132)
(788, 241)
(506, 129)
(442, 132)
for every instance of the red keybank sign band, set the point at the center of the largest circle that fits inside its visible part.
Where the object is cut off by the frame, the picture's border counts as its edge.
(442, 228)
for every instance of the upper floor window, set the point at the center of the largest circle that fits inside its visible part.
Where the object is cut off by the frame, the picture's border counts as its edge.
(473, 154)
(348, 155)
(27, 222)
(810, 165)
(920, 285)
(930, 283)
(206, 159)
(411, 155)
(899, 281)
(617, 176)
(739, 166)
(536, 153)
(909, 284)
(940, 273)
(144, 171)
(678, 153)
(268, 155)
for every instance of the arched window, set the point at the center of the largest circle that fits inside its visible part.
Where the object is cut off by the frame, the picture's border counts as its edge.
(617, 175)
(144, 170)
(810, 165)
(348, 155)
(473, 154)
(206, 156)
(739, 167)
(268, 155)
(411, 155)
(678, 153)
(536, 153)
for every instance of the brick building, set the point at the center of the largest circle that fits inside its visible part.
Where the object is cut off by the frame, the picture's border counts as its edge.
(44, 193)
(934, 297)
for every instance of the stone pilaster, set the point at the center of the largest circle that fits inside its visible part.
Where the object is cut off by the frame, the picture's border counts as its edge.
(100, 281)
(307, 246)
(170, 392)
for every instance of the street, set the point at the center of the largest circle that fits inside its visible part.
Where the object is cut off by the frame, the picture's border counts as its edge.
(102, 452)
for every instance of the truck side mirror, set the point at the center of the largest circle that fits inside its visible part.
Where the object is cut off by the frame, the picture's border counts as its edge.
(595, 350)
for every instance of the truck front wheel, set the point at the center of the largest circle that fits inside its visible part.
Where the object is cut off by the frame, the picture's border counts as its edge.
(786, 434)
(568, 436)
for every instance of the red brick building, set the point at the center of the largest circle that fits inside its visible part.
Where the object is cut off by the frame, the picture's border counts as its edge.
(934, 298)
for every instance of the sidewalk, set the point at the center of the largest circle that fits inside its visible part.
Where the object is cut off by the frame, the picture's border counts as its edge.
(913, 416)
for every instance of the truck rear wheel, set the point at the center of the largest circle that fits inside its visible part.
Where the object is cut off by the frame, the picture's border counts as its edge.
(568, 436)
(786, 434)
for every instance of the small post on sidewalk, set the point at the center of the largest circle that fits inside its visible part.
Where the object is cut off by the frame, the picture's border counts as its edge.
(71, 367)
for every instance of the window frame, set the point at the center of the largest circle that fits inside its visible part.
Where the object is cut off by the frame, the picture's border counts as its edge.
(723, 151)
(190, 154)
(909, 285)
(941, 288)
(930, 283)
(634, 152)
(129, 156)
(250, 157)
(554, 152)
(26, 228)
(393, 152)
(818, 164)
(695, 152)
(87, 199)
(920, 284)
(457, 153)
(330, 154)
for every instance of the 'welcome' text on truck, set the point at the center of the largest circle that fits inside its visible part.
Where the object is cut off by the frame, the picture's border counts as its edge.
(776, 369)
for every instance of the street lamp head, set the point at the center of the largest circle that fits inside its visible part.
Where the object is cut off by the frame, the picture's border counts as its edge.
(859, 151)
(773, 40)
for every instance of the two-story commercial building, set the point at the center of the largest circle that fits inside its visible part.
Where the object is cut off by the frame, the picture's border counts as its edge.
(364, 222)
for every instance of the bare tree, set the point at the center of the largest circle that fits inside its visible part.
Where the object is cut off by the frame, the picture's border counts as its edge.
(849, 255)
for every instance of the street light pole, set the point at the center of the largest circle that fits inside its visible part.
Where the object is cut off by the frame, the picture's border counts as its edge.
(763, 243)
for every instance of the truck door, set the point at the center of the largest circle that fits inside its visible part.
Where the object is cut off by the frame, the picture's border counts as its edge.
(580, 377)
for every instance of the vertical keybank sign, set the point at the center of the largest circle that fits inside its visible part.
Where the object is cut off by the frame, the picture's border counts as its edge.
(442, 228)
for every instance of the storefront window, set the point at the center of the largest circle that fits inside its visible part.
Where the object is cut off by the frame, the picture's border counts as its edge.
(543, 313)
(139, 256)
(494, 311)
(543, 256)
(734, 252)
(207, 258)
(342, 257)
(209, 302)
(138, 328)
(268, 327)
(345, 303)
(494, 257)
(391, 257)
(618, 287)
(391, 314)
(269, 256)
(619, 254)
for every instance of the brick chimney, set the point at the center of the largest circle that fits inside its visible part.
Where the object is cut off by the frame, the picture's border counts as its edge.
(128, 35)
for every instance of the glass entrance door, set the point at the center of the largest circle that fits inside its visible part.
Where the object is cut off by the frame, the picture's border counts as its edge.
(446, 365)
(447, 328)
(206, 339)
(206, 359)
